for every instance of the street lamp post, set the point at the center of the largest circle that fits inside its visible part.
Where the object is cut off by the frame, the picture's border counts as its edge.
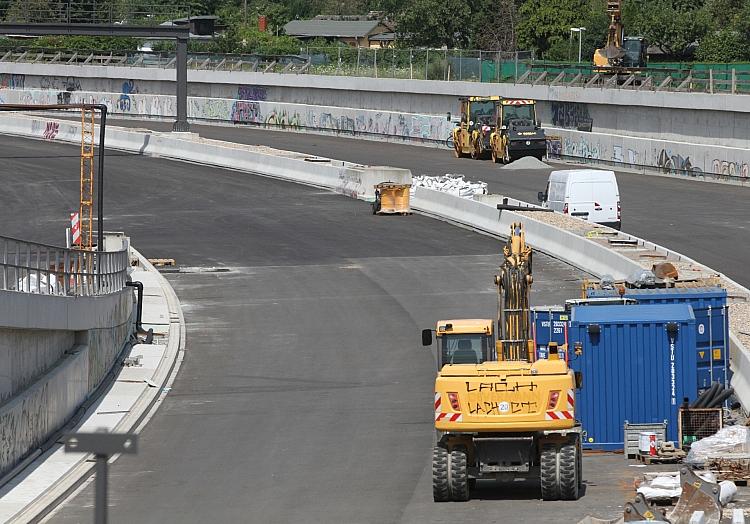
(580, 31)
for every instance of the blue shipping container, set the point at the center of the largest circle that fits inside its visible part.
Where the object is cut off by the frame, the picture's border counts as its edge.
(550, 324)
(711, 323)
(634, 368)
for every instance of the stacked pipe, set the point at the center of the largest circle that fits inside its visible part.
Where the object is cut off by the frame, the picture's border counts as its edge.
(453, 184)
(713, 397)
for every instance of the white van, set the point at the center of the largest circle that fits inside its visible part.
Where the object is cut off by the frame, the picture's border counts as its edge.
(590, 194)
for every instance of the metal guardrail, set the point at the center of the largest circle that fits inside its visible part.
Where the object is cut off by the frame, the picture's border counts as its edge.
(162, 60)
(29, 267)
(424, 64)
(92, 12)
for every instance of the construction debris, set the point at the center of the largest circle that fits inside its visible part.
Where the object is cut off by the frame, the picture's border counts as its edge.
(728, 440)
(452, 184)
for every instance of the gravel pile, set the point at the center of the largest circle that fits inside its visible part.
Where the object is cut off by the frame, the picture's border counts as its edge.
(527, 162)
(559, 220)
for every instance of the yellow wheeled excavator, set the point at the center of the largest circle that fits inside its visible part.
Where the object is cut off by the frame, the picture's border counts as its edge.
(622, 53)
(500, 413)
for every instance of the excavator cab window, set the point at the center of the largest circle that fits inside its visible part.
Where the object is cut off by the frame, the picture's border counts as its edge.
(464, 348)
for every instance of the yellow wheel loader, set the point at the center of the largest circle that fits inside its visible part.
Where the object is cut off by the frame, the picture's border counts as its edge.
(500, 414)
(504, 129)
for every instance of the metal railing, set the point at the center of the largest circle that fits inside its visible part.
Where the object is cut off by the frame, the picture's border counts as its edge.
(29, 267)
(425, 64)
(128, 12)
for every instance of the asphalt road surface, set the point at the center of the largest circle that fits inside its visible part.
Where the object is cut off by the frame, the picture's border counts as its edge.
(304, 395)
(707, 222)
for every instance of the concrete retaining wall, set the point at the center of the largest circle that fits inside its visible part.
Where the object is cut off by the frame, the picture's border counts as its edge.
(676, 152)
(54, 352)
(26, 355)
(695, 160)
(692, 117)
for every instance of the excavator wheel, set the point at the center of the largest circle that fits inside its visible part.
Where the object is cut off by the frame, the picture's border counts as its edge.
(458, 475)
(569, 470)
(440, 484)
(550, 481)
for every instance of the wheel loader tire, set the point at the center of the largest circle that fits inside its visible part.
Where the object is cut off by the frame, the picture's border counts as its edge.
(458, 476)
(569, 472)
(457, 149)
(440, 485)
(550, 480)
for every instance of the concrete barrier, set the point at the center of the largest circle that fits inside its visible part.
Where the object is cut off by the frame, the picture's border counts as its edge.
(348, 179)
(354, 180)
(643, 147)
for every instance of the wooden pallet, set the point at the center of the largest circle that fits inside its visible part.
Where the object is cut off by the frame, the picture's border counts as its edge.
(672, 458)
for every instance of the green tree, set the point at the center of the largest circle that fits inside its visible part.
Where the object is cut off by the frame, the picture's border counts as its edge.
(726, 45)
(546, 23)
(672, 25)
(435, 23)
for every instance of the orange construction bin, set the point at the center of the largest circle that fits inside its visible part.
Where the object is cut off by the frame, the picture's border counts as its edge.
(391, 198)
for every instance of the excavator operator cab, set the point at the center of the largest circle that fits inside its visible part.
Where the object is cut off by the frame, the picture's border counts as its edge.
(635, 48)
(463, 341)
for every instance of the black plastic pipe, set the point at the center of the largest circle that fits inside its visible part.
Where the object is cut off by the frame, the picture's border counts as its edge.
(139, 307)
(719, 400)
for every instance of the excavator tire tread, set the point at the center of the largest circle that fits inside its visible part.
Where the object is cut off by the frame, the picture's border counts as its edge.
(568, 463)
(458, 475)
(550, 482)
(440, 485)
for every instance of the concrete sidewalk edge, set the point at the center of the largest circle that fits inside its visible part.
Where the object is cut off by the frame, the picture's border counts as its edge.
(134, 421)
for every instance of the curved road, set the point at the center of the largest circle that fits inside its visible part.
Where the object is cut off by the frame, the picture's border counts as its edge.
(705, 221)
(304, 396)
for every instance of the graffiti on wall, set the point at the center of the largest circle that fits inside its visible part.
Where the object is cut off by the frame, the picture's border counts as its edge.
(11, 81)
(584, 148)
(732, 169)
(244, 112)
(60, 83)
(571, 115)
(128, 88)
(252, 93)
(669, 162)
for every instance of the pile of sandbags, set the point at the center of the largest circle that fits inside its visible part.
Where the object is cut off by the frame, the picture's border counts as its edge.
(453, 184)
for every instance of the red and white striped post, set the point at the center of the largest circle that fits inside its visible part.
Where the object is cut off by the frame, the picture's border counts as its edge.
(75, 229)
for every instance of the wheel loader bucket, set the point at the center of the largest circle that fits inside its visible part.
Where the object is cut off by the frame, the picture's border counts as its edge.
(697, 495)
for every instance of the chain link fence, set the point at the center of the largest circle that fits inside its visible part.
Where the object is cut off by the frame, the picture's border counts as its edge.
(424, 64)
